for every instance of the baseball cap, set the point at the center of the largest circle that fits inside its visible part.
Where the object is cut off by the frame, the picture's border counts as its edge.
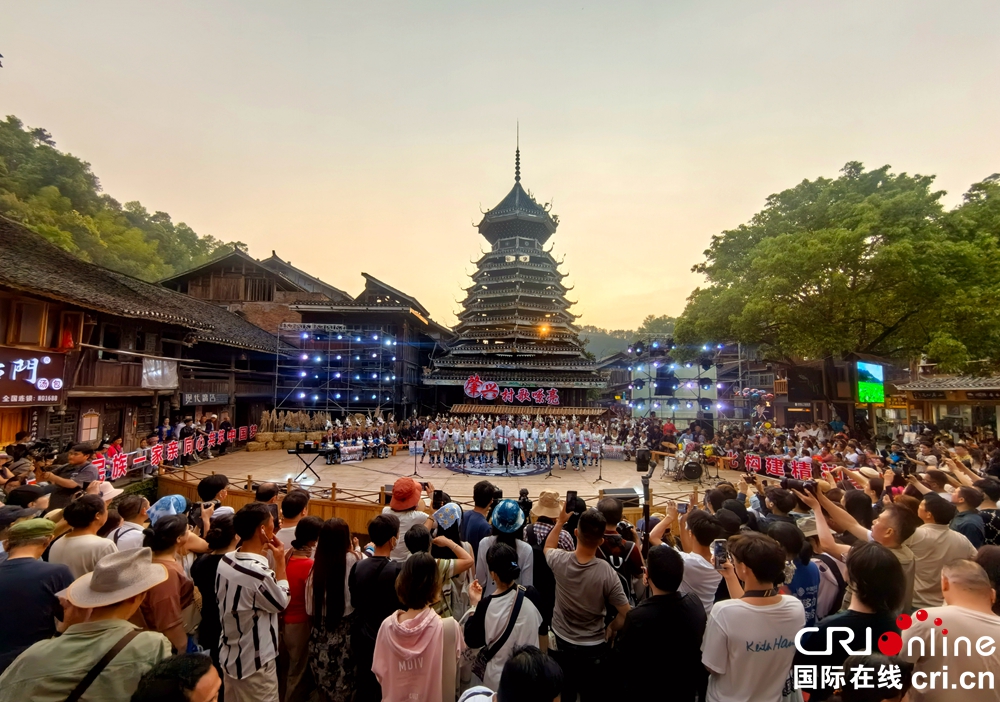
(26, 494)
(9, 514)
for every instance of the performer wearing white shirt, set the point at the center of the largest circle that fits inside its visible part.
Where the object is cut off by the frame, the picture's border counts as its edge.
(427, 436)
(502, 433)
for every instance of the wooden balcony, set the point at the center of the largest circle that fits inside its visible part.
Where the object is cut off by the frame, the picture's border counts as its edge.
(781, 386)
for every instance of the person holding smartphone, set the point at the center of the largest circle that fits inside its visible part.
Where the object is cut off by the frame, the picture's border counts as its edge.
(586, 587)
(698, 530)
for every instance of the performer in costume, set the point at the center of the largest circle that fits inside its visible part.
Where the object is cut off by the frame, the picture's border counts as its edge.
(473, 437)
(489, 443)
(596, 443)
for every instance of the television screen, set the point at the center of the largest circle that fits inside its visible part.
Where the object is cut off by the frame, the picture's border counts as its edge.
(871, 387)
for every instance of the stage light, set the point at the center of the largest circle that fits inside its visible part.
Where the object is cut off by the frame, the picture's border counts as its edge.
(718, 386)
(305, 357)
(388, 342)
(639, 348)
(673, 366)
(687, 365)
(315, 376)
(394, 358)
(318, 359)
(718, 405)
(705, 405)
(630, 387)
(304, 335)
(656, 364)
(705, 347)
(373, 397)
(357, 377)
(630, 367)
(689, 386)
(630, 350)
(719, 346)
(303, 374)
(386, 399)
(315, 397)
(374, 375)
(375, 336)
(336, 375)
(707, 364)
(357, 358)
(340, 336)
(358, 339)
(688, 405)
(656, 345)
(338, 357)
(355, 398)
(393, 377)
(374, 355)
(654, 385)
(337, 396)
(301, 395)
(640, 368)
(640, 408)
(656, 405)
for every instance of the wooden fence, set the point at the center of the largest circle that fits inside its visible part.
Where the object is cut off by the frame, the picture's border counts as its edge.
(356, 507)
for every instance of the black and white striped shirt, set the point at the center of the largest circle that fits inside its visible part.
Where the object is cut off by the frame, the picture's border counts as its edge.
(250, 600)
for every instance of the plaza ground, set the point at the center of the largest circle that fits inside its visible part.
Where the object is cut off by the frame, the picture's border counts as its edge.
(363, 480)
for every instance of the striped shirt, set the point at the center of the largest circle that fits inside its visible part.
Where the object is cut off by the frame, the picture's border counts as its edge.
(249, 603)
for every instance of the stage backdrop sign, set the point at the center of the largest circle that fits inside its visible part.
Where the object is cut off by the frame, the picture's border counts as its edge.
(350, 454)
(416, 448)
(475, 387)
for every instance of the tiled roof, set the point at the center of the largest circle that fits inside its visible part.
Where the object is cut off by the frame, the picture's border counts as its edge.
(518, 205)
(31, 264)
(962, 382)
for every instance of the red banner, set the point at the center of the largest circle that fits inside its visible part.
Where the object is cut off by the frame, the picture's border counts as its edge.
(489, 390)
(98, 463)
(243, 433)
(776, 466)
(172, 451)
(253, 430)
(802, 470)
(211, 439)
(119, 466)
(156, 455)
(752, 461)
(231, 435)
(188, 446)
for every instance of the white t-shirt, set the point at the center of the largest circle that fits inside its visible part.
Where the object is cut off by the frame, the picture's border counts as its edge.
(749, 650)
(81, 553)
(701, 579)
(477, 694)
(524, 633)
(406, 520)
(525, 559)
(286, 535)
(128, 536)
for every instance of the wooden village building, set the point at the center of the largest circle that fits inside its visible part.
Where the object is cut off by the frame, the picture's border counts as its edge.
(88, 354)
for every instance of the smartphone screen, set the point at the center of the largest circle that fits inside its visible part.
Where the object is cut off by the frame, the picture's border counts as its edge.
(438, 498)
(423, 485)
(570, 501)
(720, 553)
(682, 508)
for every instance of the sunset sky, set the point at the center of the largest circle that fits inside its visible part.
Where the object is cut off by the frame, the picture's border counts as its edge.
(354, 137)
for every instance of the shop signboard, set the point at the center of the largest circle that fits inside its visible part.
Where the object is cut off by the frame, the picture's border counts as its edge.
(30, 377)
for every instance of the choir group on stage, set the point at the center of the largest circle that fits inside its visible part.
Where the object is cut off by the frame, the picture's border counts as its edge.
(456, 441)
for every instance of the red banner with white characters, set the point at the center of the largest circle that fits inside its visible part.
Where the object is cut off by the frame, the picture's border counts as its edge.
(802, 470)
(488, 390)
(752, 462)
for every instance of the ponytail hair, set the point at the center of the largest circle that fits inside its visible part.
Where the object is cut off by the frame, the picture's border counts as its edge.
(165, 532)
(501, 559)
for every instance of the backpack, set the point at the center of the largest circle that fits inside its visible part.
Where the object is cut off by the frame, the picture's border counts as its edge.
(622, 578)
(831, 586)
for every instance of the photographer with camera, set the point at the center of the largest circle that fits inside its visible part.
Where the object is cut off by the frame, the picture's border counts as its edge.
(621, 548)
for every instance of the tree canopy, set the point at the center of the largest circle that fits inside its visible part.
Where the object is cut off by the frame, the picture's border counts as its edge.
(58, 196)
(869, 262)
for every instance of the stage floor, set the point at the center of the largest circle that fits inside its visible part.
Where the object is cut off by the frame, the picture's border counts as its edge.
(372, 474)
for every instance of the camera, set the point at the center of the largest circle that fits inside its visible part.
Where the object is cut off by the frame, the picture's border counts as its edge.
(625, 529)
(800, 485)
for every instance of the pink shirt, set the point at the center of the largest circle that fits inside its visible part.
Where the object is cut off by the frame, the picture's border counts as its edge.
(408, 657)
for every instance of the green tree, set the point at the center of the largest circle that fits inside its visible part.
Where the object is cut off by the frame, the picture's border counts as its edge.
(58, 196)
(867, 262)
(657, 325)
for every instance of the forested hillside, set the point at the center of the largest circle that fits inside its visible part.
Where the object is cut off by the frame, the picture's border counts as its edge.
(58, 196)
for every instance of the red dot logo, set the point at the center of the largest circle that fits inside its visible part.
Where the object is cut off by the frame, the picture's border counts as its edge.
(937, 621)
(904, 622)
(922, 615)
(890, 643)
(944, 632)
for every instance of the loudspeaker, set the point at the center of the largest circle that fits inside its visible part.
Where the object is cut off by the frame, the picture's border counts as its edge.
(630, 497)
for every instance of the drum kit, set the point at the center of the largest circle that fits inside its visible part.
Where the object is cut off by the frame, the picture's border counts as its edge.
(691, 463)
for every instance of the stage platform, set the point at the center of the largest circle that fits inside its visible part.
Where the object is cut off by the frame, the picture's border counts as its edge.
(370, 475)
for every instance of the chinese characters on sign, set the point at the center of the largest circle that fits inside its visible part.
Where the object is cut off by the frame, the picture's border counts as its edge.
(206, 398)
(30, 377)
(488, 390)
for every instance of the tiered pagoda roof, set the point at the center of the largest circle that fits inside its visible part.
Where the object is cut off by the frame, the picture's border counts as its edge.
(515, 326)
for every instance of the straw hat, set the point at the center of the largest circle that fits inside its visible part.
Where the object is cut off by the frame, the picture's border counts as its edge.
(116, 577)
(548, 505)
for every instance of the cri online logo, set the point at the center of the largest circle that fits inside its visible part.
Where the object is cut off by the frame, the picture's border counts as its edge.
(889, 643)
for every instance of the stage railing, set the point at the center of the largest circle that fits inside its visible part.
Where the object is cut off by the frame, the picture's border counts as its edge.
(358, 507)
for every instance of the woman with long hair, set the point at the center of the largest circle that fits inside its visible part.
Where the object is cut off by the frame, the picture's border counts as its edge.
(412, 658)
(801, 574)
(164, 605)
(328, 602)
(221, 538)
